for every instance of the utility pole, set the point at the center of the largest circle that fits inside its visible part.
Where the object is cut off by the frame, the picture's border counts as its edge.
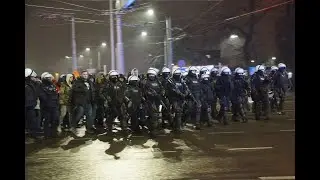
(99, 61)
(169, 42)
(90, 63)
(165, 43)
(105, 70)
(113, 61)
(74, 47)
(120, 53)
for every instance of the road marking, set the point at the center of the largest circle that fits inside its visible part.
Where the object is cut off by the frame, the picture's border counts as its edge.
(288, 130)
(166, 151)
(291, 119)
(289, 110)
(235, 132)
(277, 177)
(253, 148)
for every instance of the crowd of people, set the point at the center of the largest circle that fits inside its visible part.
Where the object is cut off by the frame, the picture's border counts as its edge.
(154, 100)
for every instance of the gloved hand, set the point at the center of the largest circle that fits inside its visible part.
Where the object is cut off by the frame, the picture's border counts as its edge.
(129, 104)
(105, 103)
(108, 98)
(183, 96)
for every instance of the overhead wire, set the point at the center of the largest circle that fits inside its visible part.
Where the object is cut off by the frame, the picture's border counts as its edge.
(217, 23)
(76, 5)
(56, 8)
(201, 15)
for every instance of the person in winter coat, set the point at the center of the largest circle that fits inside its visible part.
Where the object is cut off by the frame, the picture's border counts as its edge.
(64, 98)
(81, 99)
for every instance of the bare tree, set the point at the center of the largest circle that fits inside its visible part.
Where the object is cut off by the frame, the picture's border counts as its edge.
(247, 31)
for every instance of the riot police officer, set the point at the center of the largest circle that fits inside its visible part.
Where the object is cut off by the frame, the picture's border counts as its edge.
(152, 92)
(166, 114)
(49, 102)
(224, 89)
(114, 96)
(239, 95)
(134, 93)
(260, 88)
(280, 85)
(213, 79)
(177, 94)
(193, 102)
(31, 96)
(273, 102)
(207, 99)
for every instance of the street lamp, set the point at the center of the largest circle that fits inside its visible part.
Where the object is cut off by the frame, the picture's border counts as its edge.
(104, 44)
(233, 36)
(144, 33)
(87, 49)
(252, 61)
(150, 12)
(273, 58)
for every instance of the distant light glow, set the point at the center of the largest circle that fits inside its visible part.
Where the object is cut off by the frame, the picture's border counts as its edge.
(67, 57)
(81, 56)
(233, 36)
(273, 58)
(252, 61)
(144, 33)
(104, 44)
(87, 49)
(150, 12)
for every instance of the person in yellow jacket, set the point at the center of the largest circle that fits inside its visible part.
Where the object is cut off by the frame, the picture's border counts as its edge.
(63, 99)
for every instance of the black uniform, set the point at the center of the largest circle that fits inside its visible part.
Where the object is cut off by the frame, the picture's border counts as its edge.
(260, 88)
(280, 86)
(194, 103)
(134, 93)
(166, 113)
(239, 97)
(223, 89)
(207, 99)
(152, 92)
(49, 102)
(177, 94)
(114, 94)
(213, 80)
(31, 97)
(273, 100)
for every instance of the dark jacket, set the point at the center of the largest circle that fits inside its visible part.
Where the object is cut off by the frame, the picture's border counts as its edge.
(82, 94)
(48, 96)
(31, 97)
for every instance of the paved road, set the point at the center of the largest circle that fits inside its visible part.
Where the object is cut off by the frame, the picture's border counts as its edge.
(255, 150)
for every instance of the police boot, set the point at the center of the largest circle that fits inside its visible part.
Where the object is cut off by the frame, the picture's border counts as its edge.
(244, 119)
(234, 118)
(210, 120)
(254, 107)
(210, 123)
(152, 134)
(177, 124)
(109, 129)
(225, 120)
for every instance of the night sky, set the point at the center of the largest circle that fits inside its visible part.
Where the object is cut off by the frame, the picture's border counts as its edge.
(48, 40)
